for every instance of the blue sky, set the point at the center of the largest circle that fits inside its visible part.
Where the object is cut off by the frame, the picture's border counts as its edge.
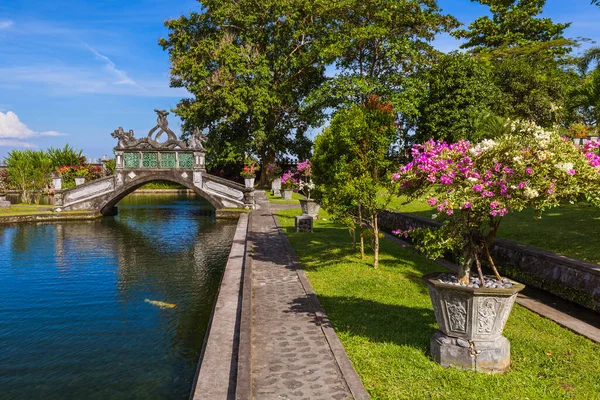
(74, 70)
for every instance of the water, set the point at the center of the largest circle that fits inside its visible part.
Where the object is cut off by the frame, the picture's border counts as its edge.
(74, 320)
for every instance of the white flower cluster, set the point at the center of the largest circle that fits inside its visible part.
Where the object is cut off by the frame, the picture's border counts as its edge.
(306, 185)
(565, 166)
(482, 146)
(544, 155)
(530, 193)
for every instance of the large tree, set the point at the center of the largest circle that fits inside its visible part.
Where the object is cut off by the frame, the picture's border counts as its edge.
(529, 56)
(377, 46)
(249, 65)
(513, 24)
(461, 93)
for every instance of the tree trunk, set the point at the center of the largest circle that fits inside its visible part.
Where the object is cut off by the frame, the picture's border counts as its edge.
(464, 269)
(267, 157)
(362, 237)
(352, 232)
(376, 247)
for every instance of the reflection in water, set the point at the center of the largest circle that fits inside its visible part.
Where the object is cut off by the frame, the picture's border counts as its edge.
(74, 320)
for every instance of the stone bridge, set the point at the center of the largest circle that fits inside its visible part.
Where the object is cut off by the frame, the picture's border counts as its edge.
(140, 161)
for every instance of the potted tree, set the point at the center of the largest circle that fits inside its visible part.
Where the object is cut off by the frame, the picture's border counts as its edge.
(473, 188)
(305, 185)
(288, 183)
(249, 173)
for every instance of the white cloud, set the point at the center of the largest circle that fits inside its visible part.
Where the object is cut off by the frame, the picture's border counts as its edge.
(64, 80)
(15, 143)
(5, 24)
(12, 131)
(120, 75)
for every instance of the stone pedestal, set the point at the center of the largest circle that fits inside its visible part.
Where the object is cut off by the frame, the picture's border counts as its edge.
(304, 223)
(276, 187)
(3, 202)
(490, 357)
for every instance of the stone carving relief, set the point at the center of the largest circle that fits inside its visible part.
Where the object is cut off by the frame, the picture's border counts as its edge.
(90, 190)
(224, 190)
(487, 310)
(128, 141)
(457, 315)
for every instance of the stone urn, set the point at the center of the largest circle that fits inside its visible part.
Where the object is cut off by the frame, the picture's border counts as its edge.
(310, 207)
(470, 322)
(276, 187)
(286, 194)
(3, 202)
(249, 182)
(79, 180)
(57, 183)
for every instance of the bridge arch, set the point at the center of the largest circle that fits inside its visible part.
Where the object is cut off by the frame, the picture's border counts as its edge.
(108, 204)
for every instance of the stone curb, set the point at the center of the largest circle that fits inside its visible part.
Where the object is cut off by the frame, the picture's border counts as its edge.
(58, 217)
(244, 371)
(565, 320)
(348, 372)
(217, 367)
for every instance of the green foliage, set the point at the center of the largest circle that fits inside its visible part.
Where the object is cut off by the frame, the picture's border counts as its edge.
(584, 98)
(110, 166)
(65, 156)
(532, 89)
(461, 93)
(513, 24)
(28, 171)
(249, 66)
(377, 47)
(352, 161)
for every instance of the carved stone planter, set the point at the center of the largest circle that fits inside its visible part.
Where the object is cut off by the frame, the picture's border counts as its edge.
(286, 194)
(249, 182)
(276, 187)
(309, 207)
(470, 324)
(79, 180)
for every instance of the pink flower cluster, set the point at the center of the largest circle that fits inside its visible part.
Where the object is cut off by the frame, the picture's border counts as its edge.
(305, 168)
(590, 150)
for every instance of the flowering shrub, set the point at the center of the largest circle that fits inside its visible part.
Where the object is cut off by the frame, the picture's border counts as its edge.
(289, 181)
(579, 131)
(475, 186)
(68, 173)
(250, 170)
(305, 184)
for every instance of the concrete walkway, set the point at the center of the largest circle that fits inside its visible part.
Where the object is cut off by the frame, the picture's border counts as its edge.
(295, 352)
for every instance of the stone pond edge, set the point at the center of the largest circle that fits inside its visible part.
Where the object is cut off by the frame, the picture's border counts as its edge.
(217, 367)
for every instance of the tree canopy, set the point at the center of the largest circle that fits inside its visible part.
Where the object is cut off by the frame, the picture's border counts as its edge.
(249, 65)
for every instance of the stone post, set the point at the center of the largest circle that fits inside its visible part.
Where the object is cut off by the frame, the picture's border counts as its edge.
(57, 183)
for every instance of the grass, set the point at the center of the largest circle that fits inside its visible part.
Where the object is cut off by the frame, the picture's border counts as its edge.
(279, 200)
(569, 230)
(384, 319)
(161, 185)
(32, 209)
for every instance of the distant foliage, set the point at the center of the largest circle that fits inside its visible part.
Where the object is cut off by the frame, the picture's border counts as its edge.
(29, 172)
(65, 156)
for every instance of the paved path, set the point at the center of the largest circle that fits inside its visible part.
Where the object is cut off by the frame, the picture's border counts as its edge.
(291, 355)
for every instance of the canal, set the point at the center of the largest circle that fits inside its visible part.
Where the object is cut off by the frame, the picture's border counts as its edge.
(115, 308)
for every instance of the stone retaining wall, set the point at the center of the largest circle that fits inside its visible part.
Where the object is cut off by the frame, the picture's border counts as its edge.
(571, 279)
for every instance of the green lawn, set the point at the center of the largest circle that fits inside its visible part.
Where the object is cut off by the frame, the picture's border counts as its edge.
(32, 209)
(279, 200)
(384, 319)
(570, 230)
